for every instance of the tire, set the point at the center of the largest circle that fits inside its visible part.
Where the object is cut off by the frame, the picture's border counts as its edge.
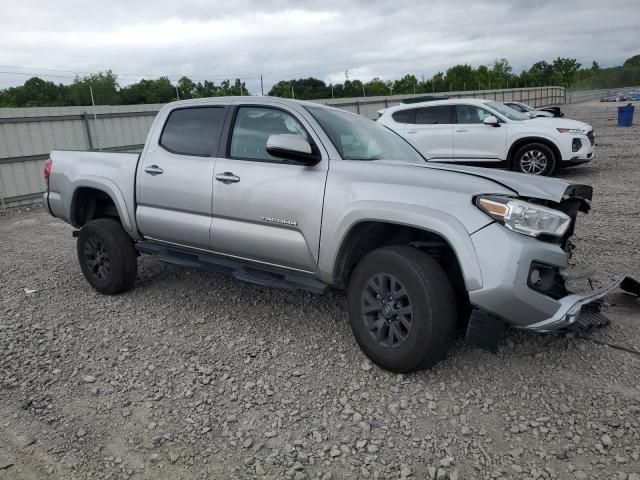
(107, 257)
(535, 159)
(430, 327)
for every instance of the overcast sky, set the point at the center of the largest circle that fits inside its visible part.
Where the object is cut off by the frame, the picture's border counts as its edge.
(282, 39)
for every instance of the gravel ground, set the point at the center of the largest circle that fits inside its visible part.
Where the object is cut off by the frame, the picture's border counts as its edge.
(195, 375)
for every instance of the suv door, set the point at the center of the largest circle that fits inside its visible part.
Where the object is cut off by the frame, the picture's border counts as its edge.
(473, 140)
(432, 132)
(174, 184)
(267, 209)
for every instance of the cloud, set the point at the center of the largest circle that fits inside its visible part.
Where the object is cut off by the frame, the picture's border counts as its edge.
(281, 39)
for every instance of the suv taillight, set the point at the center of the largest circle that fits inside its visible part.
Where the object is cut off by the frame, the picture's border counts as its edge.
(47, 171)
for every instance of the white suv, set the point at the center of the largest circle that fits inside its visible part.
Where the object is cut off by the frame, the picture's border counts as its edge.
(487, 133)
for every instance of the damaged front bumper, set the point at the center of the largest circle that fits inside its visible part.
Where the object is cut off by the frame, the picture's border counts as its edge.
(508, 262)
(570, 307)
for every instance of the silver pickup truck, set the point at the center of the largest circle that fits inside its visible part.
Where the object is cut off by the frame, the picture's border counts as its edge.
(302, 196)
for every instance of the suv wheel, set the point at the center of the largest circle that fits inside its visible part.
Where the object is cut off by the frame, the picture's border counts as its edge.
(535, 159)
(107, 257)
(402, 308)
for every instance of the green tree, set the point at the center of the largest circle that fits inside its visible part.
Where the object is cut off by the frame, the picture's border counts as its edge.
(500, 73)
(540, 73)
(376, 87)
(565, 70)
(187, 88)
(148, 91)
(407, 84)
(35, 92)
(104, 85)
(632, 62)
(303, 88)
(460, 77)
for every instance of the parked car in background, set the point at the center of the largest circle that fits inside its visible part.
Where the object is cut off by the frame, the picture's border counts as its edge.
(632, 96)
(535, 112)
(618, 97)
(488, 133)
(298, 195)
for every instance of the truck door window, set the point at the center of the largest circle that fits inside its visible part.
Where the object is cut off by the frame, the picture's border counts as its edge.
(193, 131)
(254, 126)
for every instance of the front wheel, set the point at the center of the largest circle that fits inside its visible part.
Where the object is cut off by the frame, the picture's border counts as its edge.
(402, 308)
(107, 256)
(535, 159)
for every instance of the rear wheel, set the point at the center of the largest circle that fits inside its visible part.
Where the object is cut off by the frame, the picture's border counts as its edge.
(535, 159)
(107, 257)
(402, 308)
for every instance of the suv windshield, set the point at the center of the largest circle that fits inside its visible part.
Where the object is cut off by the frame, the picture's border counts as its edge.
(508, 112)
(358, 138)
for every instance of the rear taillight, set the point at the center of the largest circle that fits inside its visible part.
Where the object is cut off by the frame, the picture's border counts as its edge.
(47, 171)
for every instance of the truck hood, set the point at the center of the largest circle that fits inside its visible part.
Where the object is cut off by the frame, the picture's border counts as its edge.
(525, 186)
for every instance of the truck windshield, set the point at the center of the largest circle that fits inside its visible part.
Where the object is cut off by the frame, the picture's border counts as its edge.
(358, 138)
(508, 112)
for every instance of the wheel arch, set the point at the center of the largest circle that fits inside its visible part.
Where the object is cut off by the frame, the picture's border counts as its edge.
(367, 235)
(91, 200)
(521, 142)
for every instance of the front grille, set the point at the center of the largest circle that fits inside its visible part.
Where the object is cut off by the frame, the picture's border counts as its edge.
(591, 137)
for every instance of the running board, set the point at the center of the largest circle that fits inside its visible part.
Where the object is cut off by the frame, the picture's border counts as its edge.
(257, 274)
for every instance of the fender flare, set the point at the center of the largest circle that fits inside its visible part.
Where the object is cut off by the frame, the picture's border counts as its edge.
(415, 216)
(111, 189)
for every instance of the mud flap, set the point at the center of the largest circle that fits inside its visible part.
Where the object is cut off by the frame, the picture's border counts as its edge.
(630, 285)
(485, 331)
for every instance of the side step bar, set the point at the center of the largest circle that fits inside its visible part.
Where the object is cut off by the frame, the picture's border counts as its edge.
(264, 276)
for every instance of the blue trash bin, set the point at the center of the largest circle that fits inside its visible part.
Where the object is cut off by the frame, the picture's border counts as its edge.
(625, 115)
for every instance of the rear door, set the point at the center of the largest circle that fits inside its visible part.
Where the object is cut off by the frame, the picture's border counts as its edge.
(432, 132)
(174, 183)
(265, 208)
(473, 140)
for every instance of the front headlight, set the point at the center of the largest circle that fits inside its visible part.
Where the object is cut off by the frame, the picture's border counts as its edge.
(575, 131)
(524, 217)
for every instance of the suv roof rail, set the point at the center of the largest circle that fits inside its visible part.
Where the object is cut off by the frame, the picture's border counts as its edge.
(428, 98)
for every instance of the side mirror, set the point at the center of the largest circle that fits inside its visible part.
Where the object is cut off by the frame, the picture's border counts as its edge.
(491, 120)
(292, 147)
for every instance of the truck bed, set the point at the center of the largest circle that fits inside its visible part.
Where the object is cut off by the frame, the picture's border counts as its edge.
(111, 172)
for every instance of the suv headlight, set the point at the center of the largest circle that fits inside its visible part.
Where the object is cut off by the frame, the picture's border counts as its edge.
(524, 217)
(575, 131)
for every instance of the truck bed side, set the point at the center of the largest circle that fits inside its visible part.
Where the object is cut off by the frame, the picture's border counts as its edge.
(112, 174)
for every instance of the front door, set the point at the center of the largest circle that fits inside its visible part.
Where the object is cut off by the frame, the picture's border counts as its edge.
(475, 141)
(174, 184)
(265, 208)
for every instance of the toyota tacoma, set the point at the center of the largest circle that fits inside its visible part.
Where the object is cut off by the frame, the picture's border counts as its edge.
(298, 195)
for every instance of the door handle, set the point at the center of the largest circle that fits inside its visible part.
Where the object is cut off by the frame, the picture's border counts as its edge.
(461, 130)
(412, 131)
(227, 177)
(154, 170)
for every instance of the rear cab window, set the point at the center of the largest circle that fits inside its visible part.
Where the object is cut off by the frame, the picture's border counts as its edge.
(193, 131)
